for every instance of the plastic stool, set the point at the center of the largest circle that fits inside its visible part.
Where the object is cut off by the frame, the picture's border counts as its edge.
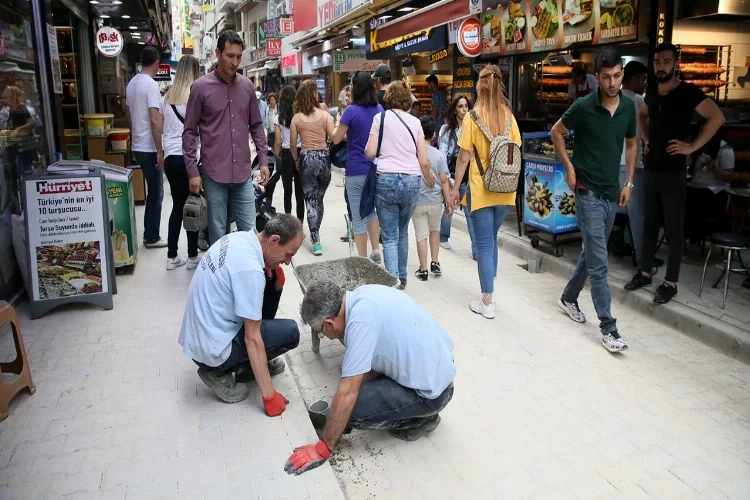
(734, 243)
(19, 366)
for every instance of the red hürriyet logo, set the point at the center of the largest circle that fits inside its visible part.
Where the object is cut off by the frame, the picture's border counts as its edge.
(63, 187)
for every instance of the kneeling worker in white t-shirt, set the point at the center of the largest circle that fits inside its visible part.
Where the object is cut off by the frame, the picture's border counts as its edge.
(398, 368)
(228, 327)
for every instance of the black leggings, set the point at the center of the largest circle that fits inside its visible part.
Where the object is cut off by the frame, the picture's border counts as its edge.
(179, 185)
(289, 174)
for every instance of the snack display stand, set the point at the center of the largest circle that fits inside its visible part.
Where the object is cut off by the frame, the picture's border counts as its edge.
(548, 203)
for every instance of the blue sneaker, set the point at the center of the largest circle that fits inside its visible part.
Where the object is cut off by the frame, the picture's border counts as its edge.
(317, 249)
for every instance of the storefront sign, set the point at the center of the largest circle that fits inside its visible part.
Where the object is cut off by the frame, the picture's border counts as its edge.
(464, 77)
(109, 41)
(543, 25)
(261, 35)
(438, 56)
(424, 41)
(273, 47)
(468, 39)
(278, 27)
(348, 61)
(291, 64)
(330, 10)
(475, 6)
(164, 73)
(551, 211)
(286, 26)
(68, 239)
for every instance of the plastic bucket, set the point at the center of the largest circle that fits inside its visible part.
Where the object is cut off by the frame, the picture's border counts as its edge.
(97, 125)
(118, 137)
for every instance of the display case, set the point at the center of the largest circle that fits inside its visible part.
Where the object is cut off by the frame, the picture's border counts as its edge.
(549, 206)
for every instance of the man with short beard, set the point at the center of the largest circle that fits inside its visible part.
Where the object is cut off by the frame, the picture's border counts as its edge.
(665, 123)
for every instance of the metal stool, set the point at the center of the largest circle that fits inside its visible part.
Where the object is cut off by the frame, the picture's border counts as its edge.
(19, 366)
(734, 243)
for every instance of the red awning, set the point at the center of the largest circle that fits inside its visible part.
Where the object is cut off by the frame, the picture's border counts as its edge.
(437, 14)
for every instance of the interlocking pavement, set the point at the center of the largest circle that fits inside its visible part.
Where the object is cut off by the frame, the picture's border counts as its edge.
(540, 410)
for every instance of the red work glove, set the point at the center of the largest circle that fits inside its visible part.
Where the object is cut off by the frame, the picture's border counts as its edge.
(275, 405)
(307, 457)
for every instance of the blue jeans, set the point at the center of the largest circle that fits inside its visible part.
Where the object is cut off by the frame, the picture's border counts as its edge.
(445, 222)
(396, 198)
(487, 222)
(384, 404)
(155, 185)
(595, 219)
(237, 199)
(635, 211)
(353, 191)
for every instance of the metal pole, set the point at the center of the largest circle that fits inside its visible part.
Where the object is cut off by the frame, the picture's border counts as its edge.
(42, 45)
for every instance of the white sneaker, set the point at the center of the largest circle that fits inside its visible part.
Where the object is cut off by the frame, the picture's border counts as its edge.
(573, 310)
(174, 263)
(162, 243)
(479, 307)
(193, 262)
(613, 342)
(446, 245)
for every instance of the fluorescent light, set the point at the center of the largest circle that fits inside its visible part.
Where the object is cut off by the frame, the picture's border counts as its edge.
(407, 9)
(141, 43)
(116, 2)
(385, 17)
(93, 1)
(104, 16)
(356, 27)
(133, 27)
(135, 35)
(125, 16)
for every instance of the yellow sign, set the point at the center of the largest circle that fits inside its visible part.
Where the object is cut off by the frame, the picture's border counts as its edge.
(375, 46)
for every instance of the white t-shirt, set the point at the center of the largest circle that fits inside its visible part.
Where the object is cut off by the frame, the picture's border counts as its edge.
(638, 101)
(389, 332)
(227, 287)
(398, 152)
(142, 93)
(705, 178)
(285, 134)
(342, 97)
(173, 127)
(590, 84)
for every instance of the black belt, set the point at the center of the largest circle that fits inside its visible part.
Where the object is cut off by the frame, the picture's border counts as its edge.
(585, 192)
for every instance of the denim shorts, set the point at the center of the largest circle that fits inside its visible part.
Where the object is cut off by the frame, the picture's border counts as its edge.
(354, 184)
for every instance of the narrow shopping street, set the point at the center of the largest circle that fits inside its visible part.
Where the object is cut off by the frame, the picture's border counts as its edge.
(541, 410)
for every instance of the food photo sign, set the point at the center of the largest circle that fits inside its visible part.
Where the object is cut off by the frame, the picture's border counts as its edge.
(524, 26)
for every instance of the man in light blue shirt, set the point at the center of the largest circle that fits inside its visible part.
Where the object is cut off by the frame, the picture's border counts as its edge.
(228, 326)
(398, 367)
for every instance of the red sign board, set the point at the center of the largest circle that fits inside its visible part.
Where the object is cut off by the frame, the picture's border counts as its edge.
(273, 47)
(286, 26)
(468, 38)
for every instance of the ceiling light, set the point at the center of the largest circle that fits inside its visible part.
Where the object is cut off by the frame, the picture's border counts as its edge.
(133, 27)
(93, 1)
(141, 43)
(135, 35)
(116, 2)
(356, 27)
(125, 16)
(104, 16)
(385, 17)
(407, 9)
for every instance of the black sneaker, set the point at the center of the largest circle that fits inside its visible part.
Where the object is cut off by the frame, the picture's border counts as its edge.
(665, 293)
(638, 281)
(435, 268)
(421, 274)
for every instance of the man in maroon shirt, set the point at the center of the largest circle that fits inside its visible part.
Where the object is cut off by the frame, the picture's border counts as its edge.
(221, 108)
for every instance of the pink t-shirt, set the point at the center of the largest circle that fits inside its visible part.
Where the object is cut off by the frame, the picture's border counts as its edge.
(398, 152)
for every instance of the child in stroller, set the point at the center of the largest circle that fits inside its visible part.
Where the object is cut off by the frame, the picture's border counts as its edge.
(264, 211)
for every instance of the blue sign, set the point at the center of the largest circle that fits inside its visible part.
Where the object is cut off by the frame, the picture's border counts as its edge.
(429, 40)
(549, 204)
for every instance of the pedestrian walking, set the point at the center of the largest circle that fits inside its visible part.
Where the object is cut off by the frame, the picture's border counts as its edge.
(398, 369)
(221, 108)
(403, 159)
(311, 124)
(488, 209)
(173, 108)
(355, 125)
(382, 78)
(448, 142)
(665, 126)
(272, 112)
(229, 328)
(602, 121)
(633, 86)
(433, 202)
(144, 120)
(439, 102)
(290, 176)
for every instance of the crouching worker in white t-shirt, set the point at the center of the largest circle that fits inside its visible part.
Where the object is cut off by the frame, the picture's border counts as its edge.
(228, 328)
(398, 368)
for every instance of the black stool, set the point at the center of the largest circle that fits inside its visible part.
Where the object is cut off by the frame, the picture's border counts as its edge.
(734, 243)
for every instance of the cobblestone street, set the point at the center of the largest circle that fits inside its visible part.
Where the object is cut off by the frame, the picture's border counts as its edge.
(541, 409)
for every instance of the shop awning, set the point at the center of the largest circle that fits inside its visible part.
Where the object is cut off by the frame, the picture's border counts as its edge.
(334, 43)
(356, 16)
(437, 14)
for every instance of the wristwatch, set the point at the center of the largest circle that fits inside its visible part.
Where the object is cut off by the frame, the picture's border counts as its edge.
(630, 185)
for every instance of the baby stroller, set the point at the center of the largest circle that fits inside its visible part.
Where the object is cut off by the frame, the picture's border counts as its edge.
(264, 211)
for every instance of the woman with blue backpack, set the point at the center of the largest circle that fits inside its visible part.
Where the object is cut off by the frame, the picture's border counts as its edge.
(490, 139)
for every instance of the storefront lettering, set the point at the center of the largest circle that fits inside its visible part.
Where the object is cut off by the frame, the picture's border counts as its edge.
(463, 84)
(331, 10)
(399, 43)
(579, 37)
(513, 47)
(618, 32)
(438, 56)
(49, 187)
(660, 29)
(539, 166)
(547, 42)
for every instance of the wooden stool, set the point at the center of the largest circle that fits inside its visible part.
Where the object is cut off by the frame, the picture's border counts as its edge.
(19, 366)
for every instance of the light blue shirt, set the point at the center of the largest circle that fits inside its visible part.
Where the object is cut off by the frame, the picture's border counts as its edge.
(263, 108)
(389, 332)
(227, 287)
(433, 195)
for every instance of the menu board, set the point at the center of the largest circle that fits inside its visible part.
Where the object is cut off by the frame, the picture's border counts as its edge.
(523, 26)
(464, 76)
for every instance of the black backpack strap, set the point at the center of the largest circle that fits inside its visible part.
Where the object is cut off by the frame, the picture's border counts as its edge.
(479, 162)
(380, 132)
(407, 128)
(177, 114)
